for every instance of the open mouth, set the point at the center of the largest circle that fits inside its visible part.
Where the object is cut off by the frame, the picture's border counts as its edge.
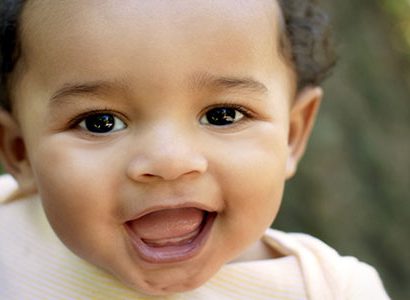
(170, 235)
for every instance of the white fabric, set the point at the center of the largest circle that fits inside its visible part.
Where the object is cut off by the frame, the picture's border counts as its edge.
(7, 186)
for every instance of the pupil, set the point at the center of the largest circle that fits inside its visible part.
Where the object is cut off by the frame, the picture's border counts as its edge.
(100, 123)
(221, 116)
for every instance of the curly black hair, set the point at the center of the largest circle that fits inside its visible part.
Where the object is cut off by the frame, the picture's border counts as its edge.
(10, 11)
(308, 39)
(306, 42)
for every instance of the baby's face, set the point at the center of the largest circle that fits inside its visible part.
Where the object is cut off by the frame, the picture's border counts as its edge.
(157, 131)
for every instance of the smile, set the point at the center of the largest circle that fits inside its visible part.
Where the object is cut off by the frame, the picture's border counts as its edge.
(170, 235)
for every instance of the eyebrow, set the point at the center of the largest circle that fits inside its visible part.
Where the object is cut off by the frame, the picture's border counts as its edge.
(93, 88)
(197, 81)
(230, 83)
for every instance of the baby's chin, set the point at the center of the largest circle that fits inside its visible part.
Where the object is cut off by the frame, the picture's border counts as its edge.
(171, 285)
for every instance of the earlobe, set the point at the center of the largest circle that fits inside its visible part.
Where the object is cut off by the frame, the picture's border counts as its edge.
(302, 118)
(13, 156)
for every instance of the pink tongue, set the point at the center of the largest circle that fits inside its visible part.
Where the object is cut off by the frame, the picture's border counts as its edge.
(169, 223)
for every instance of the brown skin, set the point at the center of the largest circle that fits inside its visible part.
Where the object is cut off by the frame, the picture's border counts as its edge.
(158, 61)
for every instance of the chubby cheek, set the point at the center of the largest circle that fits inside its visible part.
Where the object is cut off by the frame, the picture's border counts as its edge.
(252, 177)
(77, 191)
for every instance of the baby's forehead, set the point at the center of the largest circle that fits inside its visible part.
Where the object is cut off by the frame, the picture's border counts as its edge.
(42, 16)
(241, 8)
(76, 29)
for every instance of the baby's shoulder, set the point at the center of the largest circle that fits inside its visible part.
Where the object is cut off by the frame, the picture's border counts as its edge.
(345, 277)
(7, 187)
(10, 190)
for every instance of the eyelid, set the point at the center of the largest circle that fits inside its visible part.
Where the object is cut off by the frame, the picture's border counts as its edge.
(114, 129)
(75, 122)
(248, 113)
(79, 118)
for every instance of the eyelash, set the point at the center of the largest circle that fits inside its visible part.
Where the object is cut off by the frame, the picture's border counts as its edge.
(248, 114)
(73, 123)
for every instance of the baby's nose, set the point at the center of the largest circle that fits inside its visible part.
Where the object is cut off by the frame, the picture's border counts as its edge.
(168, 154)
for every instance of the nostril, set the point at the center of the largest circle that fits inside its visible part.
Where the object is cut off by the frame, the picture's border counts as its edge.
(164, 167)
(148, 175)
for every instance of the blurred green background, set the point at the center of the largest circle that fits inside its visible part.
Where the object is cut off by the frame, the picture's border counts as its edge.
(352, 188)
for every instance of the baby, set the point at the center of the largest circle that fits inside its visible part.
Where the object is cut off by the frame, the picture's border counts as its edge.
(151, 141)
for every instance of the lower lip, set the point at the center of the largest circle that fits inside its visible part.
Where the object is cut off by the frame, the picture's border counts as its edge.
(172, 254)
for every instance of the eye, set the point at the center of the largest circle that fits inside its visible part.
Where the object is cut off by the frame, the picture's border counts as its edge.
(222, 116)
(101, 123)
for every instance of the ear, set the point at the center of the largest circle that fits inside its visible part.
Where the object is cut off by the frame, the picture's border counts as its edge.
(302, 118)
(13, 155)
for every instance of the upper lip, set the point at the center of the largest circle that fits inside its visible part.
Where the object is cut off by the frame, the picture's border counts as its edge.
(155, 208)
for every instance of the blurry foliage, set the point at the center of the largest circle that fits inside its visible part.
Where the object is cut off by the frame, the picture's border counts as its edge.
(400, 11)
(352, 188)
